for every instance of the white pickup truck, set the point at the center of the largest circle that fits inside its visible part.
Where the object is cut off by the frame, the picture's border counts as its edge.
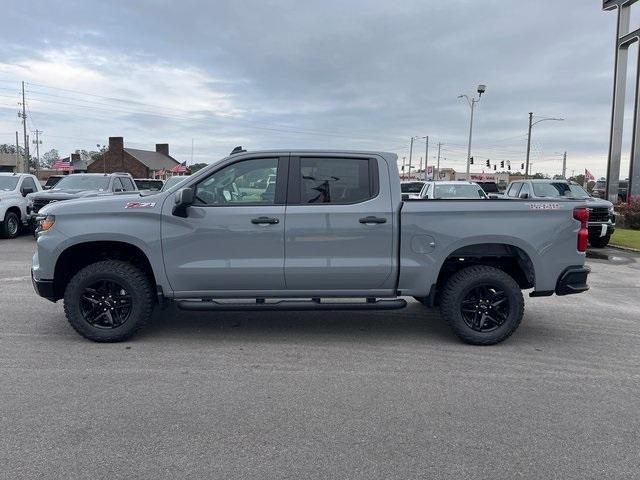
(14, 188)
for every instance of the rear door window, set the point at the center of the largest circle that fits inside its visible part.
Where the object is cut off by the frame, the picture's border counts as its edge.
(336, 180)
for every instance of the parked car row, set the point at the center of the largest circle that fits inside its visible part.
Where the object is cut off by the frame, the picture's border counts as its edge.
(22, 196)
(602, 220)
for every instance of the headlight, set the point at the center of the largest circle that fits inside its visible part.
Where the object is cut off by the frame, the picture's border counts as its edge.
(611, 209)
(47, 223)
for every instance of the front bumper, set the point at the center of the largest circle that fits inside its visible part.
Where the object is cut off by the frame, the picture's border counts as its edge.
(573, 280)
(44, 288)
(601, 229)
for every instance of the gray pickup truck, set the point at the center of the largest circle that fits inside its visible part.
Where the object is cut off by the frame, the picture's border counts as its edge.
(305, 230)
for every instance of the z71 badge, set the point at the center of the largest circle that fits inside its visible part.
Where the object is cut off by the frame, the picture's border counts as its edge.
(544, 206)
(140, 205)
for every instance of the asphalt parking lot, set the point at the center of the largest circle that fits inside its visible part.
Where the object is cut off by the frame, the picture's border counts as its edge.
(323, 395)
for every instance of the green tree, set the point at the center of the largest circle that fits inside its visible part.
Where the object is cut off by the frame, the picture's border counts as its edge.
(49, 158)
(540, 176)
(197, 166)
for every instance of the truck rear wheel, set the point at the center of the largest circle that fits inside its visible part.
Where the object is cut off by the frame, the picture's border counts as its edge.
(482, 304)
(108, 301)
(10, 226)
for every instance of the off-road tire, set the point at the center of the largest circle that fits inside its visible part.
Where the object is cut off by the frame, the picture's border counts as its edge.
(131, 278)
(5, 231)
(599, 242)
(462, 282)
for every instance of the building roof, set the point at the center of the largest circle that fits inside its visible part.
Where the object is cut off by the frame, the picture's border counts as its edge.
(152, 160)
(7, 159)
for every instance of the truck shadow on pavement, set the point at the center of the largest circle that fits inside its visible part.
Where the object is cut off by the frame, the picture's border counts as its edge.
(415, 321)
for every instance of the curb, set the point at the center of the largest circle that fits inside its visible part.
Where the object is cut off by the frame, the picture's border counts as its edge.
(626, 249)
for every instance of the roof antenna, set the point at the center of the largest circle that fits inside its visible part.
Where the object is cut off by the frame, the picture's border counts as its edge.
(238, 149)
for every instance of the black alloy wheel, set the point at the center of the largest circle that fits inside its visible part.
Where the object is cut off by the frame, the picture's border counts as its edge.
(105, 304)
(485, 308)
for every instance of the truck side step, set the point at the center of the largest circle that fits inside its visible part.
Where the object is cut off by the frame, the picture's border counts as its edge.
(288, 305)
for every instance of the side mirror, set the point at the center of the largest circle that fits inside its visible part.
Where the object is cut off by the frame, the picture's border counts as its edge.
(47, 187)
(26, 191)
(184, 197)
(524, 196)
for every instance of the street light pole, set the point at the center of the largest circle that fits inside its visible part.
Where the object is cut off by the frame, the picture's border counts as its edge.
(531, 124)
(472, 104)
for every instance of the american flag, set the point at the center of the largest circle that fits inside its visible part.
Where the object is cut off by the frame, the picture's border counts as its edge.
(180, 169)
(63, 164)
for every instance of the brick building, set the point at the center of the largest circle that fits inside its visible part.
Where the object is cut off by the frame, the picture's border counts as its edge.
(8, 162)
(139, 163)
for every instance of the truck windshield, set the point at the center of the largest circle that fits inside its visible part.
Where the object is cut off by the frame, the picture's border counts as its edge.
(489, 187)
(8, 183)
(411, 187)
(83, 182)
(458, 191)
(559, 189)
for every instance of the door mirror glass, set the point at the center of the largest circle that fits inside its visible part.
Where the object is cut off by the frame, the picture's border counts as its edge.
(26, 191)
(184, 197)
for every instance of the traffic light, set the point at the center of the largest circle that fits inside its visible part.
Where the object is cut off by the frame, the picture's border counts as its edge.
(471, 161)
(502, 164)
(522, 166)
(488, 163)
(495, 167)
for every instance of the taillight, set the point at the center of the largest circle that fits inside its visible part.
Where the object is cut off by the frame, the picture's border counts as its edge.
(582, 215)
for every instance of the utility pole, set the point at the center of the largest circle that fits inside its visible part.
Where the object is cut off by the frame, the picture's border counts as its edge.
(38, 142)
(526, 169)
(564, 166)
(19, 166)
(438, 167)
(24, 131)
(426, 156)
(410, 155)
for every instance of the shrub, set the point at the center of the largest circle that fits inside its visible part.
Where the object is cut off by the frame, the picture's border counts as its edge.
(631, 212)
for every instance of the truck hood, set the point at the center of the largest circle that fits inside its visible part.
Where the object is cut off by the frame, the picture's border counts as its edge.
(97, 203)
(8, 194)
(598, 202)
(66, 194)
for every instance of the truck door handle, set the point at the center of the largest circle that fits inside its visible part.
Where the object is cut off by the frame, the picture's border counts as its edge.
(265, 221)
(366, 220)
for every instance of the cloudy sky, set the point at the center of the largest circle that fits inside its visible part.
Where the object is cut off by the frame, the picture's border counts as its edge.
(314, 74)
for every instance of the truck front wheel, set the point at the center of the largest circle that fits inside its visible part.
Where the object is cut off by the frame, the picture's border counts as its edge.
(10, 226)
(108, 301)
(482, 304)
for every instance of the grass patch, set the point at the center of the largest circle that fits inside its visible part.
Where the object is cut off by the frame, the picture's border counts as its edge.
(624, 237)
